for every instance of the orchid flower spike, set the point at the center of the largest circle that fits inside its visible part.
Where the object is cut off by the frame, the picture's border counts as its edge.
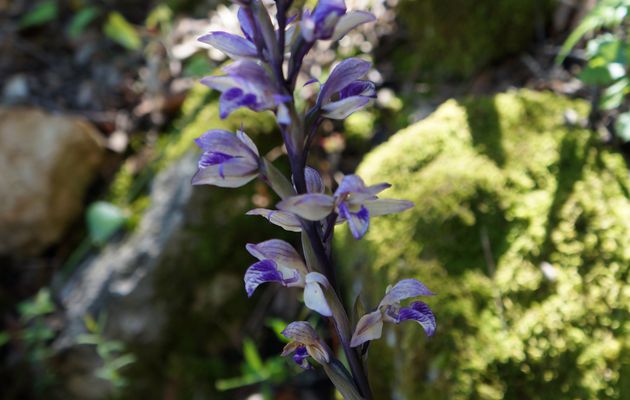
(304, 343)
(228, 160)
(370, 326)
(329, 20)
(353, 201)
(281, 263)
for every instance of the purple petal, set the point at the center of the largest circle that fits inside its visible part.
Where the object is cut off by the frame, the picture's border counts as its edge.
(220, 83)
(221, 141)
(310, 81)
(283, 219)
(279, 251)
(405, 289)
(312, 206)
(235, 98)
(342, 75)
(321, 24)
(261, 272)
(314, 182)
(232, 173)
(421, 313)
(300, 357)
(350, 21)
(232, 45)
(359, 88)
(387, 206)
(301, 332)
(350, 184)
(246, 24)
(249, 71)
(369, 327)
(209, 158)
(379, 187)
(357, 221)
(341, 109)
(252, 78)
(246, 84)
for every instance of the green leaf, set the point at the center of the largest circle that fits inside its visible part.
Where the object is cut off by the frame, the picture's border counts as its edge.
(121, 362)
(4, 338)
(118, 29)
(252, 358)
(196, 66)
(234, 383)
(622, 126)
(606, 14)
(90, 323)
(88, 339)
(599, 73)
(43, 13)
(613, 95)
(160, 16)
(103, 220)
(606, 46)
(38, 306)
(81, 20)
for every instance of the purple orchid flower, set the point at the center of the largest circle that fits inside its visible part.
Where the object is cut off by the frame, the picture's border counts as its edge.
(353, 201)
(288, 220)
(351, 93)
(370, 326)
(280, 263)
(228, 160)
(304, 343)
(329, 20)
(245, 84)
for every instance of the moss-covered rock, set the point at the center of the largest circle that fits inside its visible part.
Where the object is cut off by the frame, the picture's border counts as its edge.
(454, 38)
(522, 227)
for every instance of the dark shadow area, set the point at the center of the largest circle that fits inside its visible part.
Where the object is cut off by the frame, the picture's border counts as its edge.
(570, 171)
(485, 128)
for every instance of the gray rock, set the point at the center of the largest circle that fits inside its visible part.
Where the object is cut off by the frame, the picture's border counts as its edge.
(47, 163)
(119, 284)
(118, 280)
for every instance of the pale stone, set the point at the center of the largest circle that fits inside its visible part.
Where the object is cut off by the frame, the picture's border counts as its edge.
(47, 163)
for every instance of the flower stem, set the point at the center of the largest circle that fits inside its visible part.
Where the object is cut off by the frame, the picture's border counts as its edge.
(342, 323)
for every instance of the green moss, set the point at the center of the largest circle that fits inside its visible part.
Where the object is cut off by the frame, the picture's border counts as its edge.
(454, 38)
(509, 172)
(359, 129)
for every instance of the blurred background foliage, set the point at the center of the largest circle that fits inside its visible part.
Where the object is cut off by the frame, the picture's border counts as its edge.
(507, 123)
